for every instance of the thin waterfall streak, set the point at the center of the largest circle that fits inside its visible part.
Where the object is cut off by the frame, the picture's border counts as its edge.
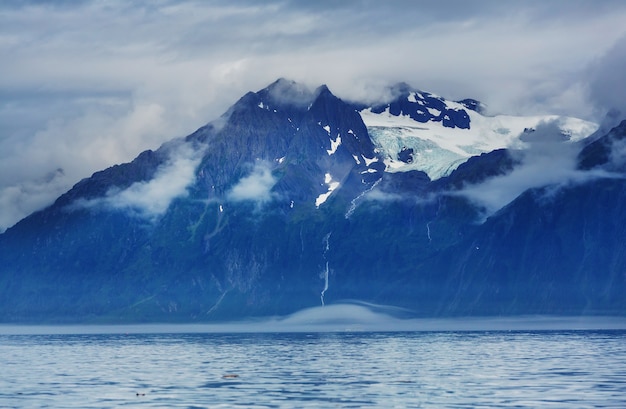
(325, 284)
(327, 270)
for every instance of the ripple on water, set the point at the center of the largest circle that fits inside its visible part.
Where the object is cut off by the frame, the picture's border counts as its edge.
(582, 369)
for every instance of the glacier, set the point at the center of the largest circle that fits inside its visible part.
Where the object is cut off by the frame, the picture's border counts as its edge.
(437, 148)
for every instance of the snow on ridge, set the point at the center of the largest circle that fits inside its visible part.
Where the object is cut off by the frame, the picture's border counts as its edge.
(369, 161)
(438, 150)
(332, 185)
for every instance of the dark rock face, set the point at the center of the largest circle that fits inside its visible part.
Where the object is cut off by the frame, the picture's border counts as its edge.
(546, 251)
(606, 151)
(423, 107)
(472, 104)
(316, 204)
(406, 155)
(477, 169)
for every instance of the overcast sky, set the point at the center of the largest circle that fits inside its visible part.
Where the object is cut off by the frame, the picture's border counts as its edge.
(88, 84)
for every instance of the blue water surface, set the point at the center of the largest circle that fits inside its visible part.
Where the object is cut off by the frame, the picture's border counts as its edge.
(440, 369)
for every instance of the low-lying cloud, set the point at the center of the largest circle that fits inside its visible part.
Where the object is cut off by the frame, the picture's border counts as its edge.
(343, 317)
(151, 199)
(256, 187)
(20, 199)
(289, 92)
(548, 159)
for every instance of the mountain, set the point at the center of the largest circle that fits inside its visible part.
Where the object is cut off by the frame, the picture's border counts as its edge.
(421, 131)
(295, 198)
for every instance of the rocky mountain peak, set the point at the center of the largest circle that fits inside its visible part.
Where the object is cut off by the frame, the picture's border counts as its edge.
(292, 196)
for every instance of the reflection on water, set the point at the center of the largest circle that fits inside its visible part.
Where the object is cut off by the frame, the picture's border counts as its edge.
(285, 370)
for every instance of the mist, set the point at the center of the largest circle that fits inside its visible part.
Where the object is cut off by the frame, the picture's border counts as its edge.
(548, 158)
(255, 187)
(151, 199)
(343, 317)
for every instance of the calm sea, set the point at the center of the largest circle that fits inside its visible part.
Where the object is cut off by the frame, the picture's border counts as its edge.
(438, 369)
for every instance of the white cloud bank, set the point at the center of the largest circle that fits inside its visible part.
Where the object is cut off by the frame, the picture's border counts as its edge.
(548, 160)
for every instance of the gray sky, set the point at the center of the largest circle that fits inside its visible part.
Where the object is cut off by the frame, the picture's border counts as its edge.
(87, 84)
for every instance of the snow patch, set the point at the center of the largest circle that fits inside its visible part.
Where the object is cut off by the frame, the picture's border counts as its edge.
(369, 161)
(434, 112)
(332, 185)
(334, 145)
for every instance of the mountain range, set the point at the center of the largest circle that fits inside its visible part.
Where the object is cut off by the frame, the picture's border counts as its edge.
(296, 198)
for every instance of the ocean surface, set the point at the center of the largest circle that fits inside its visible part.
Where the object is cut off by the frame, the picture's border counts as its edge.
(426, 369)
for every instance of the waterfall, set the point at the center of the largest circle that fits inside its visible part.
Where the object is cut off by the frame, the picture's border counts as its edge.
(326, 270)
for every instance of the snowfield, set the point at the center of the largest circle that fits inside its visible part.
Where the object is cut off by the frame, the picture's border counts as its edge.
(438, 150)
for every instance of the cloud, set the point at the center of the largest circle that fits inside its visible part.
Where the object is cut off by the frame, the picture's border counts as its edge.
(151, 199)
(256, 187)
(289, 92)
(607, 82)
(548, 159)
(89, 84)
(378, 195)
(618, 154)
(96, 139)
(17, 199)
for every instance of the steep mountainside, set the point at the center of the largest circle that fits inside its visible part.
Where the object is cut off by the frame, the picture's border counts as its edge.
(296, 198)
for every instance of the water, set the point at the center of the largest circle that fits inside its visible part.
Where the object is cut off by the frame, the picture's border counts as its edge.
(523, 369)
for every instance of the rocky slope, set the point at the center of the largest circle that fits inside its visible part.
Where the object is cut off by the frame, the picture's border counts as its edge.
(289, 201)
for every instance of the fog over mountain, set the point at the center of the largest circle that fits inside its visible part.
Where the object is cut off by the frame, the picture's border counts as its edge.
(88, 84)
